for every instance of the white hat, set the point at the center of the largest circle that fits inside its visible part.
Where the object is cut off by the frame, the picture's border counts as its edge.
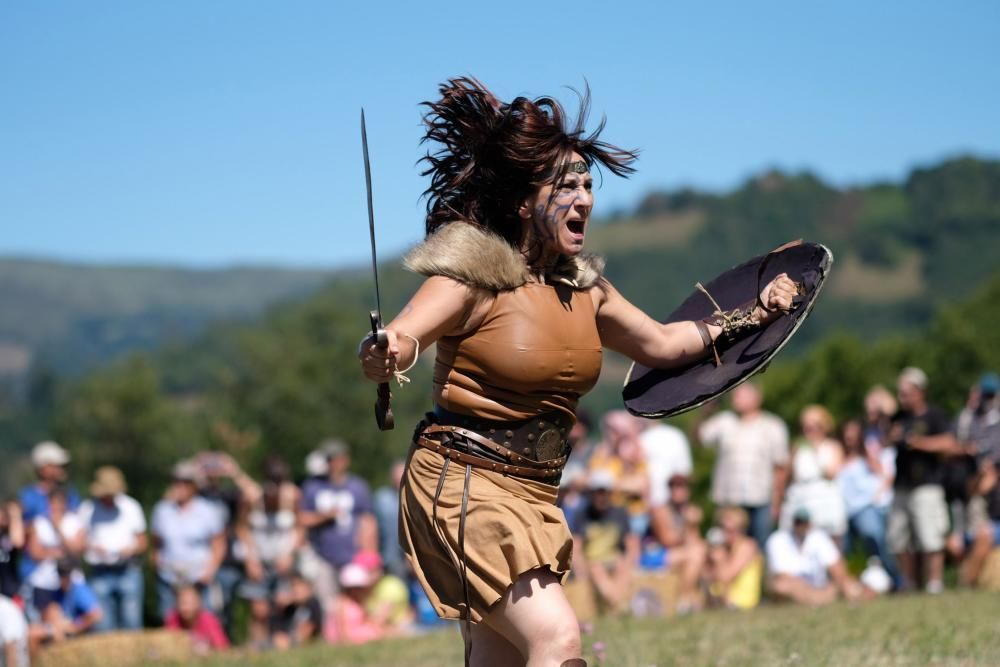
(49, 453)
(354, 576)
(317, 464)
(601, 480)
(915, 376)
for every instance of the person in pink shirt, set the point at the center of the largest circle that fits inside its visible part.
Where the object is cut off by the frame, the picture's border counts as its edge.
(201, 625)
(348, 622)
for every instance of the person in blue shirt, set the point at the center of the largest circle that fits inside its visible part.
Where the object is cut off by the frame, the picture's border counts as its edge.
(50, 461)
(75, 609)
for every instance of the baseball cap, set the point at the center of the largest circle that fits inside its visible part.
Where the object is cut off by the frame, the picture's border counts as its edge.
(801, 515)
(49, 453)
(186, 471)
(333, 447)
(108, 481)
(915, 376)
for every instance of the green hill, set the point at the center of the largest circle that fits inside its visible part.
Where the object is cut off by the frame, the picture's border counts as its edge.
(73, 317)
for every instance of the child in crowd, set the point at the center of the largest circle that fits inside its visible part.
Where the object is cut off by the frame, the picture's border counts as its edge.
(201, 625)
(349, 622)
(735, 569)
(298, 615)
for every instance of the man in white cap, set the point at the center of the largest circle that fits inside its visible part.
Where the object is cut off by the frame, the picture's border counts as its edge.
(918, 519)
(50, 461)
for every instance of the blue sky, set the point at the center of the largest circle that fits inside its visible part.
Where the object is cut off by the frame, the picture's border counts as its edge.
(214, 133)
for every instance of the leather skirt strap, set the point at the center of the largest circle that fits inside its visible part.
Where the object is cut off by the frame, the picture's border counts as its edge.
(479, 462)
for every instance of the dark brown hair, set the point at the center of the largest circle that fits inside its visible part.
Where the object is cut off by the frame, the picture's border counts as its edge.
(492, 155)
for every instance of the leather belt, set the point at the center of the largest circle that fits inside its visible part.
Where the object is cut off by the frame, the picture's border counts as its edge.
(542, 440)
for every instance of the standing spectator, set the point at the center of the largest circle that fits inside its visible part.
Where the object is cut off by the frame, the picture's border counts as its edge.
(816, 462)
(298, 616)
(581, 446)
(12, 542)
(386, 505)
(918, 519)
(50, 461)
(675, 526)
(227, 487)
(866, 486)
(604, 548)
(734, 571)
(880, 408)
(115, 529)
(337, 512)
(57, 535)
(752, 461)
(271, 537)
(190, 616)
(74, 609)
(806, 567)
(668, 453)
(189, 540)
(13, 635)
(979, 428)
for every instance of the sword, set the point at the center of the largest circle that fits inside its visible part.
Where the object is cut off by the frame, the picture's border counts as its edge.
(383, 411)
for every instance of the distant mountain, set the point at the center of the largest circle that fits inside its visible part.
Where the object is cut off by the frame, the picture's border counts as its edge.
(74, 317)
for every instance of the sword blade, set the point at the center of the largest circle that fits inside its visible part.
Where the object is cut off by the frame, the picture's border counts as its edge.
(371, 216)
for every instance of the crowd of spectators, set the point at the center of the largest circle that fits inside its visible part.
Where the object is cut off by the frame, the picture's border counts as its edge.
(899, 489)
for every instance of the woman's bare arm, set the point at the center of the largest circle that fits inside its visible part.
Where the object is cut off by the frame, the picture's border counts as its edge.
(626, 329)
(441, 307)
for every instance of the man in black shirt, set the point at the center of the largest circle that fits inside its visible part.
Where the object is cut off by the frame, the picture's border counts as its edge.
(918, 520)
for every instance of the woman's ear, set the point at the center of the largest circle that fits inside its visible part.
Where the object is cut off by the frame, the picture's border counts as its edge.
(524, 210)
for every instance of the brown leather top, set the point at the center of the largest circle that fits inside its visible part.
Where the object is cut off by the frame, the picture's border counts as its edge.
(537, 350)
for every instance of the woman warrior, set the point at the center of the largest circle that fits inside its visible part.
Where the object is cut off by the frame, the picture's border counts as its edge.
(520, 315)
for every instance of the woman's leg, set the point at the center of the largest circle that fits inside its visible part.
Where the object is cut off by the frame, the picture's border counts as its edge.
(536, 618)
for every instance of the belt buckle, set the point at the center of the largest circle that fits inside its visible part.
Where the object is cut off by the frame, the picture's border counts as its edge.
(548, 446)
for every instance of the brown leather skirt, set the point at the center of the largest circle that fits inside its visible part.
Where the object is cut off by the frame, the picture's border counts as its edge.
(511, 526)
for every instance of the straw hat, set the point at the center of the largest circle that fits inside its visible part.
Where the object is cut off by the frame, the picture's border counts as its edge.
(108, 481)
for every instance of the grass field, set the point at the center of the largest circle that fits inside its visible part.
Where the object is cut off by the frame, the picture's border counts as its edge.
(960, 628)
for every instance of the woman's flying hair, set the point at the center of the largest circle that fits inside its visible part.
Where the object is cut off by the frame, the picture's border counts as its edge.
(491, 155)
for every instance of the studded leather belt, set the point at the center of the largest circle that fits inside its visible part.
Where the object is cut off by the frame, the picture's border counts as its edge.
(536, 448)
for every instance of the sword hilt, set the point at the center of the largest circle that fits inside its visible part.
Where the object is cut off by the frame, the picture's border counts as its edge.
(383, 410)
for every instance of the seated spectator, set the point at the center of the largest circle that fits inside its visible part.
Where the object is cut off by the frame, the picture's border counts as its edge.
(866, 485)
(816, 461)
(12, 541)
(201, 625)
(298, 616)
(73, 610)
(385, 504)
(389, 602)
(735, 569)
(54, 536)
(675, 527)
(621, 456)
(189, 540)
(805, 566)
(115, 529)
(604, 549)
(13, 635)
(348, 621)
(270, 536)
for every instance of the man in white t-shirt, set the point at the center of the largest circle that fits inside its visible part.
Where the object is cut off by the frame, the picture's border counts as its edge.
(116, 537)
(805, 566)
(667, 454)
(751, 466)
(13, 635)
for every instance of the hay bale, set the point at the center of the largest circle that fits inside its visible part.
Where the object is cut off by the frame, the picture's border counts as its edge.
(654, 593)
(989, 578)
(118, 649)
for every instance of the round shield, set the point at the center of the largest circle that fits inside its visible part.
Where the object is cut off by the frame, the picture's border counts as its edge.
(655, 393)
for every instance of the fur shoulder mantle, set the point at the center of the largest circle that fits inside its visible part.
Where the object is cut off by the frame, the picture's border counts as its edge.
(474, 256)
